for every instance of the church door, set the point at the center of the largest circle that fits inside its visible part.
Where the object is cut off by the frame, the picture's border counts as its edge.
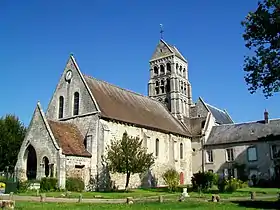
(181, 178)
(31, 168)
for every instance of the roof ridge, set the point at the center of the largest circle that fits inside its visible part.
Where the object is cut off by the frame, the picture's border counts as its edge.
(116, 86)
(216, 108)
(244, 123)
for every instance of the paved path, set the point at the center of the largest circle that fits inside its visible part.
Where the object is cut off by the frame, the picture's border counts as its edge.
(98, 200)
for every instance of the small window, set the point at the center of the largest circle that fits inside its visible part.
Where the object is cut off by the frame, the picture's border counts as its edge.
(157, 147)
(61, 106)
(209, 156)
(155, 70)
(229, 155)
(76, 103)
(168, 67)
(87, 142)
(157, 83)
(162, 69)
(181, 151)
(275, 151)
(252, 154)
(167, 85)
(202, 124)
(157, 90)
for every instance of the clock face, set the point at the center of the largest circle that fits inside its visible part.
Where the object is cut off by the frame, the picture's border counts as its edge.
(68, 75)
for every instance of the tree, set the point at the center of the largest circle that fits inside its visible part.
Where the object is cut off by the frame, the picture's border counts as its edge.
(12, 133)
(127, 156)
(262, 37)
(172, 178)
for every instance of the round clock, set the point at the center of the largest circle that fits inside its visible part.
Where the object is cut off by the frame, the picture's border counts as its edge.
(68, 75)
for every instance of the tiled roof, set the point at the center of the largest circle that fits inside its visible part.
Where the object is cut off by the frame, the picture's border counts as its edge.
(243, 132)
(69, 138)
(126, 106)
(220, 116)
(195, 124)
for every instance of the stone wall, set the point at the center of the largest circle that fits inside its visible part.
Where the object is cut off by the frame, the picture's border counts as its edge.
(39, 137)
(78, 167)
(169, 147)
(67, 90)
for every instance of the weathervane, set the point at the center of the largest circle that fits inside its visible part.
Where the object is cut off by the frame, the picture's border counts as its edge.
(161, 31)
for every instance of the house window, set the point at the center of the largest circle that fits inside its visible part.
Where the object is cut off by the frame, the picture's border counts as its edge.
(252, 154)
(181, 151)
(76, 103)
(229, 172)
(157, 147)
(209, 156)
(229, 154)
(87, 142)
(275, 151)
(61, 105)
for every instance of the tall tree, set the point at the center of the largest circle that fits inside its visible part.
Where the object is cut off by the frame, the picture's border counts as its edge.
(12, 133)
(262, 38)
(127, 156)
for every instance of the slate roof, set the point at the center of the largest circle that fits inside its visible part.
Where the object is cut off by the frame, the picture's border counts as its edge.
(175, 50)
(69, 138)
(243, 132)
(220, 116)
(126, 106)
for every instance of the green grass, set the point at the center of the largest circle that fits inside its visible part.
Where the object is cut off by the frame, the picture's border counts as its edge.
(150, 206)
(140, 193)
(137, 193)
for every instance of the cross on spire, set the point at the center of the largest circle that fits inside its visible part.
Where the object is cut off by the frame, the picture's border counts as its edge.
(161, 31)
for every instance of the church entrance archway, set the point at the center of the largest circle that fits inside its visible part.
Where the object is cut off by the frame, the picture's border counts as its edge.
(181, 178)
(46, 166)
(31, 168)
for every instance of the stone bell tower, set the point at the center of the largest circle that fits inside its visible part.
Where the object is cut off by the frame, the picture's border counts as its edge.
(169, 79)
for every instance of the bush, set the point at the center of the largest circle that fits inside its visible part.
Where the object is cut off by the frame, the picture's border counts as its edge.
(203, 181)
(23, 186)
(75, 184)
(231, 185)
(48, 184)
(171, 178)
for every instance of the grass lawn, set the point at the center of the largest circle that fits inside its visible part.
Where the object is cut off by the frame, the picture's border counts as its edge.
(155, 206)
(140, 193)
(243, 192)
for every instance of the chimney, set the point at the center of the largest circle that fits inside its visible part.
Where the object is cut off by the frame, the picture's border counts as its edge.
(265, 116)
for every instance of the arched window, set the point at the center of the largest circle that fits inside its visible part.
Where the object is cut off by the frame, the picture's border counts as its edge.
(157, 83)
(168, 67)
(60, 107)
(157, 147)
(181, 151)
(76, 103)
(162, 69)
(156, 70)
(168, 85)
(177, 66)
(180, 69)
(46, 165)
(202, 124)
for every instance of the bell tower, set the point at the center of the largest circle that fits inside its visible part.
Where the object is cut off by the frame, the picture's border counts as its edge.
(169, 80)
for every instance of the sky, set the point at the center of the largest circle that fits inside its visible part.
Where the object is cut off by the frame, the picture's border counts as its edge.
(114, 41)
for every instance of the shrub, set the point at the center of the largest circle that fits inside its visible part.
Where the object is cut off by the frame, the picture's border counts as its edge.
(171, 178)
(203, 181)
(75, 184)
(48, 184)
(23, 186)
(231, 185)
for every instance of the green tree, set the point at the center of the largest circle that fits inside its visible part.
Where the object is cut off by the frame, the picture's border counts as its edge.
(262, 38)
(172, 178)
(127, 156)
(12, 133)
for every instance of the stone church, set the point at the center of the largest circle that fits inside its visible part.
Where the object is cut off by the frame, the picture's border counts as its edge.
(85, 114)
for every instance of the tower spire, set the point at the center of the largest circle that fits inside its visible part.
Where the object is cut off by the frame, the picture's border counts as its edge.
(161, 31)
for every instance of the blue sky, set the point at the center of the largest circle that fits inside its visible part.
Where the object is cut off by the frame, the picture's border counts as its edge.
(114, 40)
